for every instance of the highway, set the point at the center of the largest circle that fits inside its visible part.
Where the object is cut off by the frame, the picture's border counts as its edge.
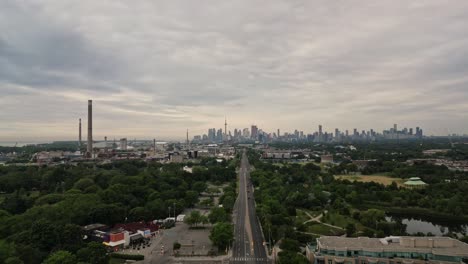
(248, 239)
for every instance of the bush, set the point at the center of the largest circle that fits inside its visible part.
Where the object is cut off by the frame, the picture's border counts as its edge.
(127, 256)
(176, 246)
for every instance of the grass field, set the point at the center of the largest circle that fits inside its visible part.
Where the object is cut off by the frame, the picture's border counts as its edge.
(301, 216)
(342, 221)
(382, 179)
(321, 229)
(117, 261)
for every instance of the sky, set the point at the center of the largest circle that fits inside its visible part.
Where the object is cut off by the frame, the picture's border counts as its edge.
(157, 68)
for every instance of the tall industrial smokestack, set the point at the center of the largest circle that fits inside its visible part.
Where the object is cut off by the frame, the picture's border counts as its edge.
(79, 133)
(90, 128)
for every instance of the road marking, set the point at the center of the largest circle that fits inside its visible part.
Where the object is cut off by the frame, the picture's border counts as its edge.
(248, 259)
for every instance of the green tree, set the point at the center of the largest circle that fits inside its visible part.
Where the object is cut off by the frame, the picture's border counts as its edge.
(464, 239)
(350, 229)
(228, 202)
(176, 246)
(191, 198)
(61, 257)
(13, 260)
(288, 244)
(194, 218)
(6, 250)
(371, 217)
(84, 183)
(204, 219)
(70, 236)
(218, 214)
(291, 257)
(93, 253)
(199, 186)
(43, 234)
(222, 234)
(138, 214)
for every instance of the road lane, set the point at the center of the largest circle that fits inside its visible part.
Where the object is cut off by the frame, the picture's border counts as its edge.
(248, 241)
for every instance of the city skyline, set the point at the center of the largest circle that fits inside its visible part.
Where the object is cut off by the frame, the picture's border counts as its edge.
(279, 65)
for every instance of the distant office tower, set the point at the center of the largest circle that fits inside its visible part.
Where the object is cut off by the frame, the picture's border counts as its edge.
(254, 132)
(105, 144)
(219, 135)
(411, 131)
(79, 133)
(278, 133)
(90, 129)
(123, 144)
(320, 133)
(419, 132)
(246, 133)
(212, 134)
(395, 128)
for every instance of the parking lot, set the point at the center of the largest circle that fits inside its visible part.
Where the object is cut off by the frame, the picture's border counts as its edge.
(194, 242)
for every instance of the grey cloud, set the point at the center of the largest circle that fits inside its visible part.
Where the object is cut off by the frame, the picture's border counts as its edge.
(281, 64)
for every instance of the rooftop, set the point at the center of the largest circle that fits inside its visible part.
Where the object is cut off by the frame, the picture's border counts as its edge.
(437, 245)
(415, 181)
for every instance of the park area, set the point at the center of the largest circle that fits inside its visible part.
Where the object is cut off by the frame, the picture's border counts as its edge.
(382, 179)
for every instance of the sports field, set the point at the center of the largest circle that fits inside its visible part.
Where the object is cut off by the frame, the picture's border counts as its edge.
(385, 180)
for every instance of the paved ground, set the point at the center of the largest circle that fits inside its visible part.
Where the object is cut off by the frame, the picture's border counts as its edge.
(248, 241)
(194, 241)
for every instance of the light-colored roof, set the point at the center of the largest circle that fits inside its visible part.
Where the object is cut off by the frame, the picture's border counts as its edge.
(443, 245)
(415, 181)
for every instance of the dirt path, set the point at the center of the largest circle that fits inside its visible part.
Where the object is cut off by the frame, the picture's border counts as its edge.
(317, 219)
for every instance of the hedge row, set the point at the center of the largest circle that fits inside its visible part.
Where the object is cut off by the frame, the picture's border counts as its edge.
(127, 256)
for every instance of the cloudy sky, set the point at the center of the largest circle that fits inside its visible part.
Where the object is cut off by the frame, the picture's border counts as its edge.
(156, 68)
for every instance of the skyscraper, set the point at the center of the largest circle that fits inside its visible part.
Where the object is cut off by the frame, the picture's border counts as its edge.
(246, 133)
(254, 132)
(320, 134)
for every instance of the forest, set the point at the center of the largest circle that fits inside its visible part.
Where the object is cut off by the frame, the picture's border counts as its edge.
(43, 208)
(286, 192)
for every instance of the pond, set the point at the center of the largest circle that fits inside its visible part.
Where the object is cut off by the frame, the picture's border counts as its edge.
(425, 226)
